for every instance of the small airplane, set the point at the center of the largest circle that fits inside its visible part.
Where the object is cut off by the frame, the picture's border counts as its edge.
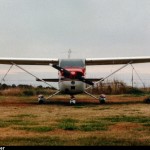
(72, 72)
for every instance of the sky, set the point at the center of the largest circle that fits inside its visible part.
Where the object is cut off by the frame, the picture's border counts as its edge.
(90, 28)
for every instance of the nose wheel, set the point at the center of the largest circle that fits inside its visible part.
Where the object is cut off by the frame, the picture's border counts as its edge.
(72, 100)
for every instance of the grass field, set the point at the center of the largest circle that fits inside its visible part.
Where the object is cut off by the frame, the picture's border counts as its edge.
(123, 121)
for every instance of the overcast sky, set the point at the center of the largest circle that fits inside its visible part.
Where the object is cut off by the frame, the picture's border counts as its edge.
(90, 28)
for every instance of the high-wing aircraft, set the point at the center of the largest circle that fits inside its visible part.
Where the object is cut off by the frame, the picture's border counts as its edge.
(72, 72)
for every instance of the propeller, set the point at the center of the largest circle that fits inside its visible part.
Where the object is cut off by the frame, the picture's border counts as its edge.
(68, 74)
(81, 78)
(65, 72)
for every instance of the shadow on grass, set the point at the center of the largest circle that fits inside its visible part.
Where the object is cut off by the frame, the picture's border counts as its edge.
(91, 104)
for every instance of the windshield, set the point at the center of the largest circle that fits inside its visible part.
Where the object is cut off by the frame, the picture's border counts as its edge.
(72, 63)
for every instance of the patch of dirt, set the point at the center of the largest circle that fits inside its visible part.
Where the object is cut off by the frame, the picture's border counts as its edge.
(123, 126)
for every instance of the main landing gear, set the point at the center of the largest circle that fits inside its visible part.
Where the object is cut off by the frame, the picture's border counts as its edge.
(102, 99)
(41, 99)
(72, 100)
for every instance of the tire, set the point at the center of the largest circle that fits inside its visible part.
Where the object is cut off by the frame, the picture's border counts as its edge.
(41, 102)
(147, 100)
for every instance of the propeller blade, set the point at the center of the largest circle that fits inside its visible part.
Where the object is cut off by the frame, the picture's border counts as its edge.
(66, 72)
(79, 76)
(85, 81)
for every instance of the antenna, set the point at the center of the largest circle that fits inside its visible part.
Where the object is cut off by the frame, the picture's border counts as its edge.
(69, 53)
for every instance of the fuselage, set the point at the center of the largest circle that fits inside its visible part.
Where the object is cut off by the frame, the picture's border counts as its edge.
(71, 85)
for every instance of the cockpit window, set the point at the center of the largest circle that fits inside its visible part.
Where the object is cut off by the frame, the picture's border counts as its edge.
(72, 63)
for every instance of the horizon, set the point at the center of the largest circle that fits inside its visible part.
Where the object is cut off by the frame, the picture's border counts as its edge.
(90, 28)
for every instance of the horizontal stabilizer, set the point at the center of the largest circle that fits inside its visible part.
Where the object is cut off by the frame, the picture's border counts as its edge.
(56, 80)
(48, 80)
(94, 79)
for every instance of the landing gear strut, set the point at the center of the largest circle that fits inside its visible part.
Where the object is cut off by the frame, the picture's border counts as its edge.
(72, 100)
(42, 100)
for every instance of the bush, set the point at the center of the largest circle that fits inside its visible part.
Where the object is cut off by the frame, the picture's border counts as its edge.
(11, 92)
(28, 93)
(134, 91)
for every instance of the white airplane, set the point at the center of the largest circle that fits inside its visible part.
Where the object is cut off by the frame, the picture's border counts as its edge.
(71, 72)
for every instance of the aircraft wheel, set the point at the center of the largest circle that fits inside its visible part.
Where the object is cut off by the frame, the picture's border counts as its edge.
(72, 102)
(41, 99)
(102, 99)
(102, 102)
(41, 102)
(147, 100)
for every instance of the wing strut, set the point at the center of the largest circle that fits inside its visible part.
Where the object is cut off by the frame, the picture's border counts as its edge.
(90, 95)
(53, 95)
(137, 75)
(33, 75)
(3, 79)
(102, 79)
(110, 74)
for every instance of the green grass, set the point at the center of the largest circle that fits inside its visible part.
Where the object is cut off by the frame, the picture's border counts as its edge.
(102, 108)
(107, 125)
(12, 122)
(94, 125)
(147, 124)
(83, 141)
(32, 141)
(3, 124)
(25, 116)
(36, 129)
(138, 119)
(108, 141)
(79, 106)
(7, 123)
(67, 124)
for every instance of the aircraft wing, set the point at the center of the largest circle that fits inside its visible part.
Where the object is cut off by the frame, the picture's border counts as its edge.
(88, 61)
(29, 61)
(116, 60)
